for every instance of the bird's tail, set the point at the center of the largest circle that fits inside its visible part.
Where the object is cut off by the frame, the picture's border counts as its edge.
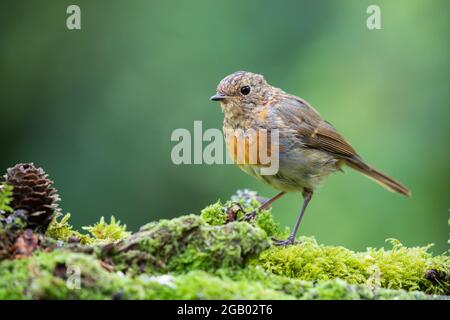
(382, 179)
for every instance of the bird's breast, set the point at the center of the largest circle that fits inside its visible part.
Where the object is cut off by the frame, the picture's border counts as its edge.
(249, 147)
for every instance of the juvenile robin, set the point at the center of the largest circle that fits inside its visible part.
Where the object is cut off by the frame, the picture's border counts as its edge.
(309, 149)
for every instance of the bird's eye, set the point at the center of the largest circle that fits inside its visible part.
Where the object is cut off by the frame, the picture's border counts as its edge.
(245, 90)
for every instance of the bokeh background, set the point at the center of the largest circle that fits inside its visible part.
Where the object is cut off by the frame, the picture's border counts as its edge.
(96, 107)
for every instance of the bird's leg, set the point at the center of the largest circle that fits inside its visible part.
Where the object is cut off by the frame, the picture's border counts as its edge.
(249, 216)
(307, 195)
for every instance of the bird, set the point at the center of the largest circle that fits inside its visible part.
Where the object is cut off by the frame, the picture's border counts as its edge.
(309, 147)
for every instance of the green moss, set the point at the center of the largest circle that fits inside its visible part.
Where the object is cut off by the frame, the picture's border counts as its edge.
(250, 201)
(215, 214)
(403, 267)
(14, 279)
(5, 197)
(63, 230)
(338, 289)
(398, 268)
(101, 232)
(189, 243)
(335, 289)
(104, 232)
(201, 285)
(206, 257)
(63, 274)
(266, 222)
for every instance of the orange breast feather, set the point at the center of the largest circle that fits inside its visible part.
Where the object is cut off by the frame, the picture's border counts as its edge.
(250, 148)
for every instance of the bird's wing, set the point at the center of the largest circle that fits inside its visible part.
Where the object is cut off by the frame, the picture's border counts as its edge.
(312, 130)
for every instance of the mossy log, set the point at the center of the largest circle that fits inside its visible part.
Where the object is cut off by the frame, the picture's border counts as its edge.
(208, 256)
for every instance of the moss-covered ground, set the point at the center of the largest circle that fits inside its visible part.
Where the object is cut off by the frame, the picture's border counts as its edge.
(212, 255)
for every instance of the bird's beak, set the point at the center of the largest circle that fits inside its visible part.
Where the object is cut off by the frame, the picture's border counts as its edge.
(218, 97)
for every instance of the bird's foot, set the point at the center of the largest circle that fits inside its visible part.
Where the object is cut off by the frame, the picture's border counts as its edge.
(233, 210)
(283, 243)
(250, 215)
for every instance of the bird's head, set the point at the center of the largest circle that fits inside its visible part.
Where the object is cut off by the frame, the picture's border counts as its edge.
(242, 89)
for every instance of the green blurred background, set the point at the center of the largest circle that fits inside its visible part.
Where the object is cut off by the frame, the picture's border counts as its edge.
(96, 107)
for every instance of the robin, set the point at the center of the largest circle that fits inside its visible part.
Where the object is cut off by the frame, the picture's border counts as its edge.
(309, 150)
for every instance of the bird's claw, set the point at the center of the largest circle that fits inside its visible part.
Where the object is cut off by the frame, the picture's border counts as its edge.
(233, 210)
(250, 216)
(283, 243)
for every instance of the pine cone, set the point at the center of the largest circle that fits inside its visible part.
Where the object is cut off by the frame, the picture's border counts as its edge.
(33, 193)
